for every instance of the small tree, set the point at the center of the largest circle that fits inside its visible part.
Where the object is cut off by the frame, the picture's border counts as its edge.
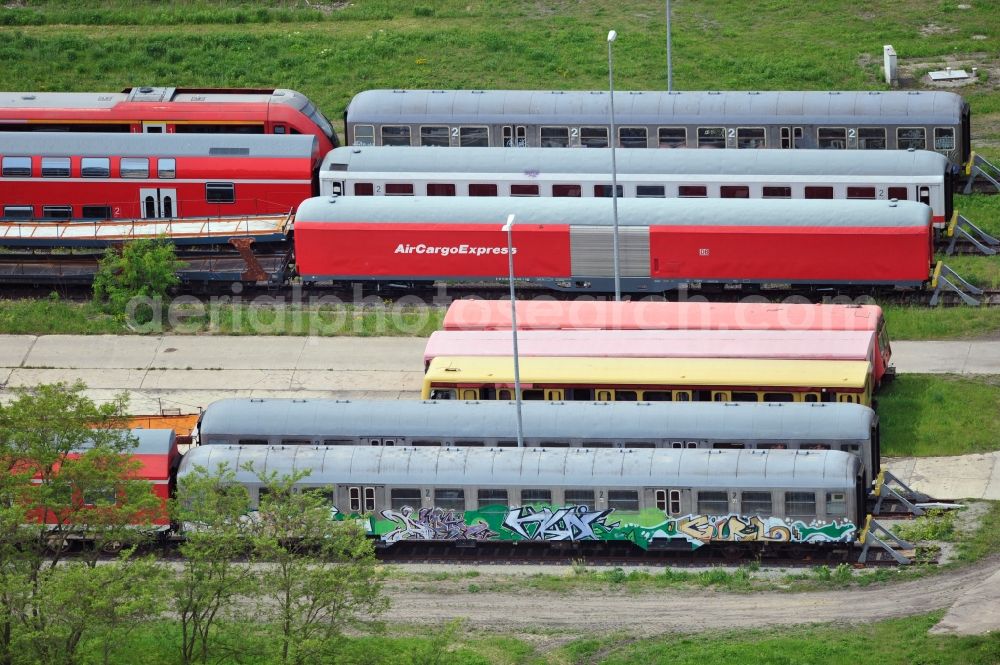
(322, 575)
(211, 508)
(144, 269)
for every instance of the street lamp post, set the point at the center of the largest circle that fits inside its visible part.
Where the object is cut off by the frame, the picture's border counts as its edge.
(670, 69)
(612, 36)
(509, 229)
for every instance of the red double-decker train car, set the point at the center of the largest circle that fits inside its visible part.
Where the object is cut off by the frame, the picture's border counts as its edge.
(68, 176)
(160, 110)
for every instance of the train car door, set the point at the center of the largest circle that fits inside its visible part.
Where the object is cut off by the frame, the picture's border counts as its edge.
(791, 137)
(158, 203)
(669, 501)
(154, 128)
(515, 136)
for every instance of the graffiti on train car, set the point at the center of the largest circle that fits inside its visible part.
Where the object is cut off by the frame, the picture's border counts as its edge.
(583, 523)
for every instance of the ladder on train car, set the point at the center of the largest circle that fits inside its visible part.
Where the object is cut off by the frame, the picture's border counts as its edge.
(874, 534)
(946, 279)
(977, 167)
(960, 227)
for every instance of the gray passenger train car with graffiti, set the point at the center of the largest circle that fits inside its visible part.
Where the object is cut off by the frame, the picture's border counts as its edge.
(653, 498)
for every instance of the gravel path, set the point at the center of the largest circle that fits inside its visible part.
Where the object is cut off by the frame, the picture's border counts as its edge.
(655, 612)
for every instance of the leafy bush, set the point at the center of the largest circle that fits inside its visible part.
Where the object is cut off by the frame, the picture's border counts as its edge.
(132, 281)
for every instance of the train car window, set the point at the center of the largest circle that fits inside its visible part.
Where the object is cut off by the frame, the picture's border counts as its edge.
(492, 497)
(554, 444)
(836, 504)
(771, 192)
(755, 503)
(623, 500)
(713, 503)
(898, 193)
(364, 189)
(395, 135)
(100, 496)
(871, 138)
(861, 192)
(797, 137)
(711, 137)
(727, 445)
(449, 498)
(580, 394)
(399, 189)
(474, 137)
(354, 504)
(18, 212)
(219, 192)
(626, 396)
(751, 137)
(639, 444)
(675, 502)
(603, 395)
(280, 129)
(536, 395)
(57, 212)
(772, 446)
(673, 137)
(786, 141)
(524, 190)
(220, 129)
(566, 191)
(819, 192)
(656, 396)
(632, 137)
(579, 498)
(685, 191)
(442, 393)
(482, 189)
(16, 167)
(911, 137)
(432, 136)
(604, 191)
(594, 137)
(295, 442)
(682, 396)
(810, 397)
(55, 167)
(400, 497)
(364, 135)
(536, 496)
(650, 191)
(506, 444)
(166, 167)
(423, 443)
(800, 504)
(501, 394)
(253, 442)
(831, 138)
(779, 397)
(96, 167)
(553, 137)
(440, 189)
(338, 442)
(735, 191)
(720, 396)
(744, 397)
(660, 496)
(135, 167)
(469, 444)
(944, 138)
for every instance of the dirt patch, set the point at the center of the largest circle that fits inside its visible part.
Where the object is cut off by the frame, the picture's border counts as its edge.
(913, 72)
(934, 29)
(327, 7)
(655, 612)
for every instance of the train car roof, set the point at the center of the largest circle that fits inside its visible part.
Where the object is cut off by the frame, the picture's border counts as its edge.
(653, 107)
(477, 314)
(520, 162)
(457, 370)
(95, 144)
(458, 420)
(598, 211)
(155, 451)
(546, 467)
(160, 95)
(777, 344)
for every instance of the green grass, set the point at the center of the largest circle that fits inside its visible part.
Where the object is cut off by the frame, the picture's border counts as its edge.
(924, 415)
(892, 642)
(922, 323)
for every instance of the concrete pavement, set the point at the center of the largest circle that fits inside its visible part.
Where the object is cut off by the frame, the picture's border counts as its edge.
(189, 372)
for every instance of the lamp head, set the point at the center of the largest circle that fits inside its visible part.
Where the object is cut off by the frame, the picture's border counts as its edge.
(510, 223)
(612, 36)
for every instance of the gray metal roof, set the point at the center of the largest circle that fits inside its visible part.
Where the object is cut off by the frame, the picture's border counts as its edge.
(97, 144)
(542, 420)
(598, 211)
(702, 108)
(108, 100)
(521, 161)
(151, 441)
(500, 467)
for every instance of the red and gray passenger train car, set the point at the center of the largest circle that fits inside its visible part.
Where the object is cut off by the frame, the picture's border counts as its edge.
(567, 244)
(914, 175)
(166, 110)
(69, 176)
